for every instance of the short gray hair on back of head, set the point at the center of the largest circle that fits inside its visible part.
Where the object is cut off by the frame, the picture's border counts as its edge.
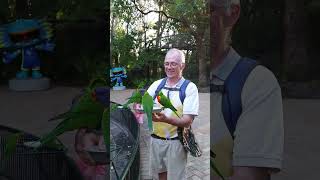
(176, 53)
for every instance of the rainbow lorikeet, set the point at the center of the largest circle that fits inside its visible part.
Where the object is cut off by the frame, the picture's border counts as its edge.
(90, 111)
(147, 103)
(135, 98)
(166, 103)
(86, 113)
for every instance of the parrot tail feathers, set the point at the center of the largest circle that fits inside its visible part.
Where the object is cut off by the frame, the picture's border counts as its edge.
(177, 114)
(60, 116)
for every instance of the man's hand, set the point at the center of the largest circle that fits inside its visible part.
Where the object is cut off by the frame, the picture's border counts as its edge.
(159, 117)
(136, 107)
(137, 113)
(82, 141)
(185, 121)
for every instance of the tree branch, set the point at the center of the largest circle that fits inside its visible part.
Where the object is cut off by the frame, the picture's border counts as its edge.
(183, 21)
(155, 11)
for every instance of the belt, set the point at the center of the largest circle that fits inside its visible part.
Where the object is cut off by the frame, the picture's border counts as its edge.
(158, 137)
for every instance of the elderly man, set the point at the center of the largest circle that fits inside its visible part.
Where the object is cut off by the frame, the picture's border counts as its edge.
(248, 145)
(168, 158)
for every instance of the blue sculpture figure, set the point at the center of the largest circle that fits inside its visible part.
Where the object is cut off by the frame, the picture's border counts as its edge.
(24, 37)
(116, 74)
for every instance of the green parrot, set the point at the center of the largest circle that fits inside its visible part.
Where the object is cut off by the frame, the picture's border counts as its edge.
(135, 98)
(10, 144)
(166, 103)
(106, 127)
(147, 103)
(87, 112)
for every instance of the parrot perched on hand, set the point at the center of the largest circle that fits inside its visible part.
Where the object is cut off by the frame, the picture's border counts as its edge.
(90, 111)
(166, 103)
(135, 98)
(147, 103)
(86, 113)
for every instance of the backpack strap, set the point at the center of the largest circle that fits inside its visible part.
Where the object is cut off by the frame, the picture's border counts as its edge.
(231, 101)
(182, 89)
(160, 86)
(231, 92)
(182, 92)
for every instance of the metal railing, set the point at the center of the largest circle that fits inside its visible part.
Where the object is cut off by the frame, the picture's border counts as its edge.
(26, 163)
(131, 169)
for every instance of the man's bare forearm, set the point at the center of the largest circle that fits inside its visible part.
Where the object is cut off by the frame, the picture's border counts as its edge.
(185, 121)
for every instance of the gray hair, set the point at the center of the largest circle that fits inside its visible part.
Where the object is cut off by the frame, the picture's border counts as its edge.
(225, 4)
(176, 53)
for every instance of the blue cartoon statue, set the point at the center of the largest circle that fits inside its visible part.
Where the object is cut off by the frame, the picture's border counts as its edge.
(25, 37)
(116, 74)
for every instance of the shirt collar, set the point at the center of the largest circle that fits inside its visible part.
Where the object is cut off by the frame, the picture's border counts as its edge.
(178, 84)
(227, 65)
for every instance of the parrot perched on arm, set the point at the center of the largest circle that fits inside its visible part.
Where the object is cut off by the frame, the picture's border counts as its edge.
(166, 103)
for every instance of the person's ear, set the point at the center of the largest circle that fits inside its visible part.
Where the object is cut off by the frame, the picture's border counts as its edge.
(234, 15)
(183, 65)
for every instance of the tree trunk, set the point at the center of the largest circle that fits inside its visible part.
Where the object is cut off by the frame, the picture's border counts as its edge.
(295, 60)
(145, 34)
(111, 39)
(21, 9)
(203, 79)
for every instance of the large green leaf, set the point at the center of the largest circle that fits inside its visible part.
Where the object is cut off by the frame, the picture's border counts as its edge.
(147, 103)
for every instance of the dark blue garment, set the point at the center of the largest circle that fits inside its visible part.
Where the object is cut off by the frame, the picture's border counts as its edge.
(31, 58)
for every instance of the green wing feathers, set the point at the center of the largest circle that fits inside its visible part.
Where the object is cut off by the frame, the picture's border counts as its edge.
(147, 103)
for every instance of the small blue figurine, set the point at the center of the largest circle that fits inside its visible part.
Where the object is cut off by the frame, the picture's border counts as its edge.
(25, 37)
(116, 74)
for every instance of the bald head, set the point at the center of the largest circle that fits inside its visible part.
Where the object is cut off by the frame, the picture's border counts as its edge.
(176, 54)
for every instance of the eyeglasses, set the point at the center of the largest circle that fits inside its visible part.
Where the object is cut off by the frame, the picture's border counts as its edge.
(172, 64)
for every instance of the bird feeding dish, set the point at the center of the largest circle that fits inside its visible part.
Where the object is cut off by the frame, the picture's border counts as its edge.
(156, 109)
(100, 156)
(32, 144)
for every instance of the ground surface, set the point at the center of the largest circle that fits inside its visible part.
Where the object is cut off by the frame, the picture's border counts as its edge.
(29, 111)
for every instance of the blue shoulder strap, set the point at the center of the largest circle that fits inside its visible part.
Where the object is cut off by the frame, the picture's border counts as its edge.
(160, 86)
(182, 92)
(182, 89)
(231, 100)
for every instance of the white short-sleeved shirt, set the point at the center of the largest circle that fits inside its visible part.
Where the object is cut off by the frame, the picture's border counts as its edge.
(259, 134)
(190, 106)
